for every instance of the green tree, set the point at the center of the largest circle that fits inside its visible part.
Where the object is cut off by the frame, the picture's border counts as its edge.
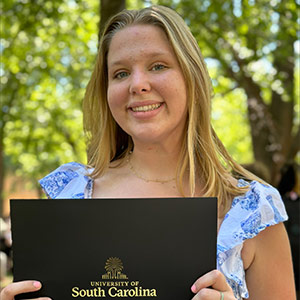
(254, 48)
(47, 53)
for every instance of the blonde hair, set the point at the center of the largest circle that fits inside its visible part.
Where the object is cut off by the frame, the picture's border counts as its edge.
(202, 152)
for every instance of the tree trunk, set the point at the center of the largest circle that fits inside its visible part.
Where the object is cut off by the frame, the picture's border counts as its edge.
(1, 169)
(108, 8)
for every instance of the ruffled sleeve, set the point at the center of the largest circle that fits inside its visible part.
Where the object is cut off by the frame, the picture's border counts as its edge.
(70, 180)
(250, 213)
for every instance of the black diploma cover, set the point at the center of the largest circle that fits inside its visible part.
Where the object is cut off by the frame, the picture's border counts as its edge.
(114, 248)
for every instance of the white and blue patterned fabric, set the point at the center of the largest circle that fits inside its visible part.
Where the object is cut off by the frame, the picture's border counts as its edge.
(68, 181)
(260, 207)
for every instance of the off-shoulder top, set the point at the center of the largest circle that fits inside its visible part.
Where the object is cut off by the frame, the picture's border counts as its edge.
(260, 207)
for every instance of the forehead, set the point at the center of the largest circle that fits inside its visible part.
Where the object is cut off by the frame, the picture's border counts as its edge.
(136, 40)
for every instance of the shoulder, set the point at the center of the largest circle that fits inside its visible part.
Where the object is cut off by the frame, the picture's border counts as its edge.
(67, 181)
(260, 207)
(262, 203)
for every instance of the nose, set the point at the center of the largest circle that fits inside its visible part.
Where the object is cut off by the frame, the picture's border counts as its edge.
(140, 83)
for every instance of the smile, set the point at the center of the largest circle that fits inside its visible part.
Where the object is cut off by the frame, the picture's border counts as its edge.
(146, 107)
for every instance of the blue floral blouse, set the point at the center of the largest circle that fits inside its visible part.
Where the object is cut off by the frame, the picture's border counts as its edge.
(261, 206)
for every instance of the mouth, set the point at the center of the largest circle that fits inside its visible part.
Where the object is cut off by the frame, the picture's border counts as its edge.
(146, 108)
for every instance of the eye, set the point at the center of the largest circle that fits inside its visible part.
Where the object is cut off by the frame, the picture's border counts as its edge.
(158, 67)
(121, 75)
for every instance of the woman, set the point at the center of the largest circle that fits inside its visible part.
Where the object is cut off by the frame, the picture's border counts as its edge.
(147, 117)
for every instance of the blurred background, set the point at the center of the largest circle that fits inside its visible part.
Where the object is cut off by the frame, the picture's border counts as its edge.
(48, 49)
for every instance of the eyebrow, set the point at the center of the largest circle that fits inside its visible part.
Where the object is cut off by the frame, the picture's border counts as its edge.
(149, 55)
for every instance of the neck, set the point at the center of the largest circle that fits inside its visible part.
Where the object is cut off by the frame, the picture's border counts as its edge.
(154, 163)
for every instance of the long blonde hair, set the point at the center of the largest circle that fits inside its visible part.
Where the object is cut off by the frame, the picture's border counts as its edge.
(202, 153)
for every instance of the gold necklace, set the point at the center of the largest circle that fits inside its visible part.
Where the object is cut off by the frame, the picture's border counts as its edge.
(146, 179)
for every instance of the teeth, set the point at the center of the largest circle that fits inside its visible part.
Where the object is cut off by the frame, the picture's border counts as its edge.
(146, 107)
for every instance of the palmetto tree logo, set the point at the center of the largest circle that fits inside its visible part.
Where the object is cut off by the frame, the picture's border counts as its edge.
(114, 268)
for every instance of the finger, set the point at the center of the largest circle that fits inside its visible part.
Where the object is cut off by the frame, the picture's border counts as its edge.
(16, 288)
(205, 294)
(43, 298)
(214, 279)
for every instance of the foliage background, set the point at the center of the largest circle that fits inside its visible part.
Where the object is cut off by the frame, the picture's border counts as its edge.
(47, 53)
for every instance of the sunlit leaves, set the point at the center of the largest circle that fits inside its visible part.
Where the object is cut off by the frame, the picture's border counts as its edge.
(229, 117)
(47, 50)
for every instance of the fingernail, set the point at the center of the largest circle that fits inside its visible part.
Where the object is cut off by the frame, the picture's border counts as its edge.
(193, 288)
(37, 284)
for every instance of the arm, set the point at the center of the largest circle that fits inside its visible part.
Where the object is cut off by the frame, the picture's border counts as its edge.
(270, 274)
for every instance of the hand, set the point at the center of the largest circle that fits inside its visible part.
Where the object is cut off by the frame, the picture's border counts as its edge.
(212, 286)
(13, 289)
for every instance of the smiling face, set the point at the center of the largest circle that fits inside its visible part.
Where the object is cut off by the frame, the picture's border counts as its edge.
(146, 92)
